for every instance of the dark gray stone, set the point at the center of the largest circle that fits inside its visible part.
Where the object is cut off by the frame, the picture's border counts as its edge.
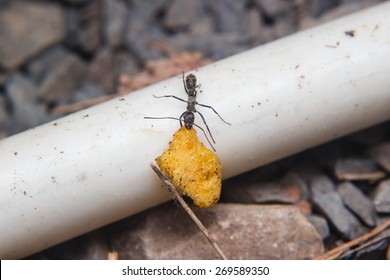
(382, 197)
(87, 91)
(256, 193)
(114, 22)
(290, 190)
(257, 32)
(273, 8)
(57, 73)
(294, 187)
(204, 26)
(381, 154)
(146, 11)
(320, 224)
(229, 15)
(142, 30)
(182, 14)
(3, 78)
(102, 71)
(328, 202)
(84, 27)
(293, 183)
(27, 28)
(282, 28)
(242, 232)
(357, 169)
(25, 109)
(254, 25)
(318, 7)
(358, 203)
(306, 169)
(76, 1)
(5, 118)
(125, 63)
(139, 42)
(3, 109)
(218, 46)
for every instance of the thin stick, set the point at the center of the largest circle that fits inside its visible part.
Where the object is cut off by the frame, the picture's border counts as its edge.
(187, 208)
(338, 252)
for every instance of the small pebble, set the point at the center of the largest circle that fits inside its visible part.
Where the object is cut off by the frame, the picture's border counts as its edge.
(320, 224)
(381, 154)
(26, 110)
(28, 28)
(382, 197)
(256, 193)
(328, 202)
(58, 72)
(357, 169)
(359, 204)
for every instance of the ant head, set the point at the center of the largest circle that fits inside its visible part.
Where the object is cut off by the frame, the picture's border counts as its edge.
(191, 81)
(188, 119)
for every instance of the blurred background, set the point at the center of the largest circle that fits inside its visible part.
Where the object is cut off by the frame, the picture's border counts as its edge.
(57, 57)
(60, 56)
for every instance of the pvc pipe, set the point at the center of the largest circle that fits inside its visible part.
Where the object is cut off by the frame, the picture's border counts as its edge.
(91, 168)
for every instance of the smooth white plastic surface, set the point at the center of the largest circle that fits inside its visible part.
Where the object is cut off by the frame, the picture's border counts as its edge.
(91, 168)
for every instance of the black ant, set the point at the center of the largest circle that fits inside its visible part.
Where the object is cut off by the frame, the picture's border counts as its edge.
(188, 117)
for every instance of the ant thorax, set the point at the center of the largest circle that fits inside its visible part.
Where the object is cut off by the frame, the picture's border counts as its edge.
(191, 102)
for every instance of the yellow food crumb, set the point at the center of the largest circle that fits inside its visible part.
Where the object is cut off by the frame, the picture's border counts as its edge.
(191, 167)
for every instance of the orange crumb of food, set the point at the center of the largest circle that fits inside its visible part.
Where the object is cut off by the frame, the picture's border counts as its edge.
(193, 168)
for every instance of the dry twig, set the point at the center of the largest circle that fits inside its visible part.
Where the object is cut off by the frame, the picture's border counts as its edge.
(177, 195)
(357, 244)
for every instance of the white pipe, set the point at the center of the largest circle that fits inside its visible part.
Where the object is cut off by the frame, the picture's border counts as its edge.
(91, 168)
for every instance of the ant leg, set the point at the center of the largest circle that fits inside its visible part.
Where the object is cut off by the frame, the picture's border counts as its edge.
(161, 118)
(178, 98)
(207, 106)
(164, 118)
(208, 129)
(181, 119)
(208, 140)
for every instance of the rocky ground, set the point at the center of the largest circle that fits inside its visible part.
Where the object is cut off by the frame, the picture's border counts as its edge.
(60, 56)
